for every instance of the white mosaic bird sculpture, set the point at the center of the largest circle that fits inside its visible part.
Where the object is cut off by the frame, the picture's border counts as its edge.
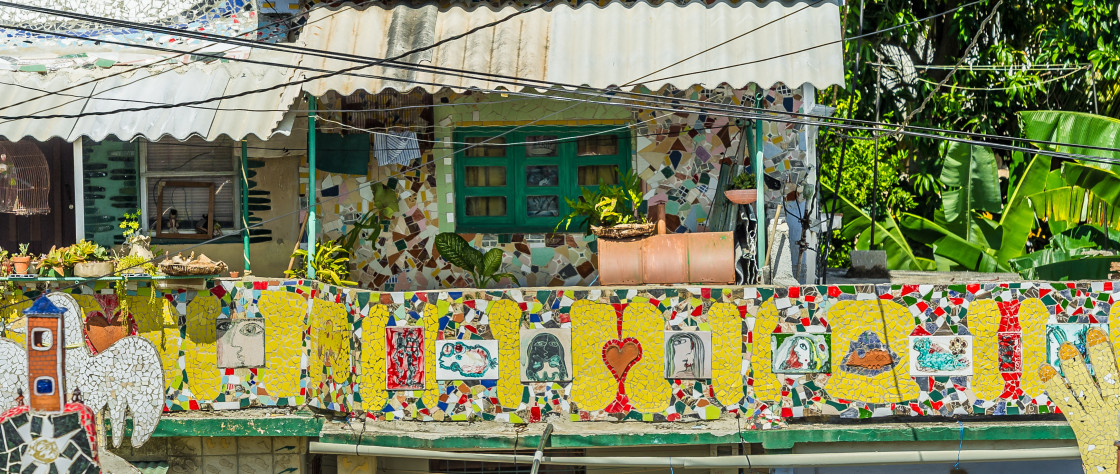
(126, 376)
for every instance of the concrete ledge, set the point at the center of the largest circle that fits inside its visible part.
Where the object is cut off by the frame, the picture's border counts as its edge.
(581, 435)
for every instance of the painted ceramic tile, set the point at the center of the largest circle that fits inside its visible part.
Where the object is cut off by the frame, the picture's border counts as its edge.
(688, 354)
(800, 353)
(404, 358)
(546, 355)
(467, 360)
(1010, 352)
(1075, 333)
(868, 356)
(940, 355)
(240, 343)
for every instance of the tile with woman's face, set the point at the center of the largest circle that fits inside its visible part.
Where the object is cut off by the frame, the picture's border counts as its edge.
(688, 354)
(240, 343)
(546, 355)
(800, 353)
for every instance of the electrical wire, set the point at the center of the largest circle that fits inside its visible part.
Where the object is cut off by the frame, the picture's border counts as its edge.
(616, 93)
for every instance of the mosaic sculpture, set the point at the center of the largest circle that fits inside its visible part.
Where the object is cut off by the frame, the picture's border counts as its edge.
(126, 376)
(47, 434)
(1091, 406)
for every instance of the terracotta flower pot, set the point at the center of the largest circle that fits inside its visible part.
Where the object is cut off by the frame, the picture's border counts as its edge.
(741, 196)
(21, 264)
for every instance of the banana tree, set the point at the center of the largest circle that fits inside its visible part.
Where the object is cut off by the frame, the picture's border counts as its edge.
(888, 236)
(1073, 128)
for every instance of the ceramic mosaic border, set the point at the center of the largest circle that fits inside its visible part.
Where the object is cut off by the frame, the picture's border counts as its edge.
(341, 338)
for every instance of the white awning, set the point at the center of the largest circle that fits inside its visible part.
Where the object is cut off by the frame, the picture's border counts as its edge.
(260, 114)
(795, 43)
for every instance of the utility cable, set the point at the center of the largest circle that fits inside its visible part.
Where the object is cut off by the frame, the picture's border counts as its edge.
(708, 108)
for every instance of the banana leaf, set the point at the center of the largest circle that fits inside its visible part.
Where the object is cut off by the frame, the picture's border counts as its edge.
(1103, 183)
(1076, 128)
(971, 170)
(1018, 220)
(1069, 206)
(857, 224)
(1069, 268)
(970, 255)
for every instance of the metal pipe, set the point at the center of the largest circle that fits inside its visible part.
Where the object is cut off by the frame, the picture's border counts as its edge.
(760, 189)
(311, 184)
(539, 455)
(757, 461)
(245, 203)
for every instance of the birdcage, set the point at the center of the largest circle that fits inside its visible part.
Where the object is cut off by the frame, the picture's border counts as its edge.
(24, 179)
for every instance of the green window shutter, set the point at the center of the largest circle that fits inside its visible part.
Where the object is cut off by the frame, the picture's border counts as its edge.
(347, 154)
(520, 186)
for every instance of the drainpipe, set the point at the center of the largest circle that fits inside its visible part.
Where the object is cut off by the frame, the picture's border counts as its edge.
(539, 455)
(868, 458)
(245, 203)
(311, 180)
(759, 185)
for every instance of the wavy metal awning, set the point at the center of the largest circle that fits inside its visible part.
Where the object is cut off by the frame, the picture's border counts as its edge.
(615, 44)
(38, 94)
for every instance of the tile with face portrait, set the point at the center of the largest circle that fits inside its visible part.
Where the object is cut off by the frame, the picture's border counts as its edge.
(688, 354)
(240, 343)
(404, 358)
(800, 353)
(546, 355)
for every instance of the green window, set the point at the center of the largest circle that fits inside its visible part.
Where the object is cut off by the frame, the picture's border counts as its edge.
(515, 179)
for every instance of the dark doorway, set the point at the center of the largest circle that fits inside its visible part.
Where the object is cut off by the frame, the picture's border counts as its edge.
(55, 228)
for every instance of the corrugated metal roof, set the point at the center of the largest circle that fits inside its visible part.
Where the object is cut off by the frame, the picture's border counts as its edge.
(259, 114)
(586, 45)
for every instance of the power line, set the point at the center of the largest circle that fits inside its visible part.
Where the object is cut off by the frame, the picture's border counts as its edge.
(705, 107)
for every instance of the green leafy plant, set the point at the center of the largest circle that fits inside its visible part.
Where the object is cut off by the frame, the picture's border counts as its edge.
(331, 264)
(385, 204)
(130, 224)
(484, 267)
(134, 264)
(608, 206)
(87, 251)
(58, 259)
(24, 250)
(743, 181)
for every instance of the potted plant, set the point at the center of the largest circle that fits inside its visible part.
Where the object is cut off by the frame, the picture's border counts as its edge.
(58, 262)
(743, 189)
(94, 260)
(21, 262)
(612, 211)
(331, 264)
(485, 268)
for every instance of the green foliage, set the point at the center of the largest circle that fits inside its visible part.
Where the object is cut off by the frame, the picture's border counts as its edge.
(87, 251)
(888, 236)
(976, 99)
(331, 264)
(57, 258)
(24, 250)
(743, 181)
(130, 224)
(134, 264)
(608, 206)
(483, 267)
(385, 204)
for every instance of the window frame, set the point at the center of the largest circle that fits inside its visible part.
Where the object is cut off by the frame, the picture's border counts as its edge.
(516, 163)
(147, 202)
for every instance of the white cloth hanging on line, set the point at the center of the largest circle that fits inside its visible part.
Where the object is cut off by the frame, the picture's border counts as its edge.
(396, 148)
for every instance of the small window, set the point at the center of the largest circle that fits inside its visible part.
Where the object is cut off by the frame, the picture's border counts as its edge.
(191, 188)
(515, 180)
(42, 339)
(44, 386)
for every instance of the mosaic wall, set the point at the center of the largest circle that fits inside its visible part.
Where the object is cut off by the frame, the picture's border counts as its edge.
(677, 155)
(221, 17)
(654, 354)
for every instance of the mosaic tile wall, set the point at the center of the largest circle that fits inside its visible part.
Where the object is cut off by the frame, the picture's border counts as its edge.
(677, 155)
(832, 351)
